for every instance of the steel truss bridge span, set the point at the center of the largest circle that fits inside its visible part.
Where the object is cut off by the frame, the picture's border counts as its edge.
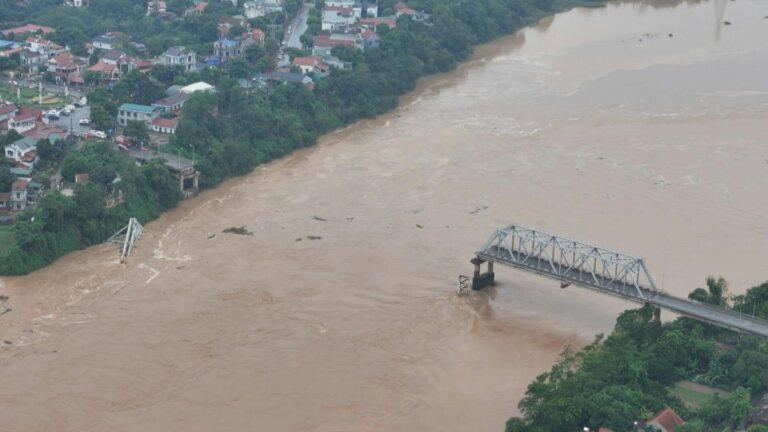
(603, 270)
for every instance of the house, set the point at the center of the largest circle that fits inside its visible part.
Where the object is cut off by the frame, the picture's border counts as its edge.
(667, 420)
(179, 56)
(372, 23)
(105, 42)
(64, 66)
(164, 125)
(367, 39)
(281, 77)
(311, 64)
(23, 152)
(9, 48)
(224, 49)
(142, 113)
(403, 9)
(323, 44)
(106, 71)
(41, 45)
(226, 23)
(259, 8)
(31, 61)
(337, 17)
(27, 28)
(196, 10)
(139, 47)
(5, 201)
(23, 120)
(19, 195)
(372, 9)
(155, 7)
(7, 111)
(171, 103)
(256, 35)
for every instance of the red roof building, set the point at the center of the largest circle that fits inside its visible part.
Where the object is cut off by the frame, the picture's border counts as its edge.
(667, 420)
(165, 125)
(325, 41)
(27, 28)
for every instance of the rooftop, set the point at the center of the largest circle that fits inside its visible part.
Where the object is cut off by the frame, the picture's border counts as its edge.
(172, 100)
(146, 109)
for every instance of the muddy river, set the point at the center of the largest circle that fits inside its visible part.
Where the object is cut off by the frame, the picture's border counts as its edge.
(639, 126)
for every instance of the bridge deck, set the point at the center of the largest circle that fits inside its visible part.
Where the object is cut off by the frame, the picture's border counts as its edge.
(712, 314)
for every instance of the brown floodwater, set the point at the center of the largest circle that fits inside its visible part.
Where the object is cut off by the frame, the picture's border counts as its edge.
(640, 126)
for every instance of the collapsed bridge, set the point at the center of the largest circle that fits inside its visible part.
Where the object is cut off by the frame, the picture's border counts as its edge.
(609, 272)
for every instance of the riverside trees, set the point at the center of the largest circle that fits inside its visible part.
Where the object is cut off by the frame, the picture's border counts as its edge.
(625, 377)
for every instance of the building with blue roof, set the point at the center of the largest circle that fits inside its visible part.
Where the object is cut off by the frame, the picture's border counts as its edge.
(143, 113)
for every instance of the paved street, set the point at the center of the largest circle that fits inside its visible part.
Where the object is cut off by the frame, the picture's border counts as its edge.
(73, 119)
(298, 27)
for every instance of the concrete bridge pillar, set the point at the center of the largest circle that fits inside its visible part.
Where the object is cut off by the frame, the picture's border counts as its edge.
(481, 280)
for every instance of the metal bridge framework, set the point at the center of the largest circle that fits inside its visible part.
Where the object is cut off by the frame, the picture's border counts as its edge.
(127, 237)
(610, 272)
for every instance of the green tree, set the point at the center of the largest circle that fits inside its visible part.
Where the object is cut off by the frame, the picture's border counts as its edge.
(6, 178)
(136, 130)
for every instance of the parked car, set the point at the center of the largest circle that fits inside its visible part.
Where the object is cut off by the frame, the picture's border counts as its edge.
(82, 102)
(84, 121)
(98, 134)
(53, 115)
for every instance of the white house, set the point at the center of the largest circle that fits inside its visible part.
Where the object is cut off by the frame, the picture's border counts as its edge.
(335, 17)
(19, 195)
(179, 56)
(23, 152)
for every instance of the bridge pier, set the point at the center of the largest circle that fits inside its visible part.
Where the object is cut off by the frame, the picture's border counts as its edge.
(482, 280)
(656, 312)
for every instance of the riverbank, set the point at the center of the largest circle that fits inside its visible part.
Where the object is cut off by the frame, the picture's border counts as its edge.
(361, 329)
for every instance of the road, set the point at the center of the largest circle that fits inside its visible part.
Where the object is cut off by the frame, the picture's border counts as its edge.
(298, 27)
(293, 33)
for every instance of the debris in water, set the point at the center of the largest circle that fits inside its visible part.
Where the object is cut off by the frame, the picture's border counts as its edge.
(478, 209)
(419, 226)
(311, 237)
(4, 298)
(179, 267)
(670, 35)
(211, 236)
(298, 239)
(238, 230)
(6, 311)
(350, 219)
(317, 218)
(7, 342)
(726, 22)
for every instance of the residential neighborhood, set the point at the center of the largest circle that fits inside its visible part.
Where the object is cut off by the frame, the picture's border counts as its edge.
(43, 95)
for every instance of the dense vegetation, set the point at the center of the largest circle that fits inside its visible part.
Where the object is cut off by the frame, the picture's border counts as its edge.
(626, 376)
(60, 224)
(235, 130)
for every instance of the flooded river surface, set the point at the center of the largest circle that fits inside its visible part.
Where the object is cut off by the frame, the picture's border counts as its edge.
(638, 126)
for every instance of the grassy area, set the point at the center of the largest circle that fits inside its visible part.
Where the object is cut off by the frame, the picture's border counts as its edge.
(695, 395)
(30, 97)
(6, 238)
